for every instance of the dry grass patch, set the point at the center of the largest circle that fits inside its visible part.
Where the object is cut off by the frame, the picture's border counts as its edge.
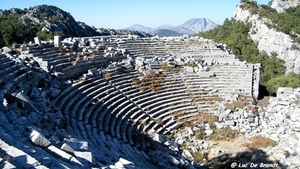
(78, 57)
(214, 98)
(213, 106)
(263, 102)
(152, 81)
(184, 123)
(208, 118)
(240, 103)
(224, 134)
(170, 68)
(258, 142)
(191, 64)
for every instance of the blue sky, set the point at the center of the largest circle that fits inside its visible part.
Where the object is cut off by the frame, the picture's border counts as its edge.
(120, 14)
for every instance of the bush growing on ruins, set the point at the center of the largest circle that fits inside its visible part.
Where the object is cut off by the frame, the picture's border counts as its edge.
(142, 122)
(290, 80)
(200, 134)
(199, 157)
(45, 35)
(107, 76)
(152, 81)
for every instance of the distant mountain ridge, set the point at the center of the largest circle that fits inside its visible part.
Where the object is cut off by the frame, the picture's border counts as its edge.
(190, 27)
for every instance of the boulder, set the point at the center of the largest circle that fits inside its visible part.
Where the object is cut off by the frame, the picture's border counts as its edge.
(187, 155)
(209, 132)
(173, 160)
(219, 125)
(229, 123)
(85, 157)
(77, 144)
(158, 137)
(123, 163)
(67, 148)
(6, 50)
(39, 139)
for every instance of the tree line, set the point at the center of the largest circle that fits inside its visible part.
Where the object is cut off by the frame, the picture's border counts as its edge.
(12, 30)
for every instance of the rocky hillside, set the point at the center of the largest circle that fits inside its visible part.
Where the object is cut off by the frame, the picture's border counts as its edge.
(45, 21)
(282, 5)
(267, 32)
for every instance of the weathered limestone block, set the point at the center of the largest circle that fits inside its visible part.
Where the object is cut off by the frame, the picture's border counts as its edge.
(57, 41)
(37, 40)
(39, 139)
(173, 160)
(123, 163)
(67, 148)
(229, 123)
(77, 144)
(61, 154)
(187, 155)
(85, 157)
(209, 132)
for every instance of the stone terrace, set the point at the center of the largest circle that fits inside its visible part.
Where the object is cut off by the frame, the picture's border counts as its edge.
(76, 106)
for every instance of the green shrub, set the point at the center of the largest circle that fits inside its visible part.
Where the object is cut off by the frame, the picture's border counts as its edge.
(290, 80)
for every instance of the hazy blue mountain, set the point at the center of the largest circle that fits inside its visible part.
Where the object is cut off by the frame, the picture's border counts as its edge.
(170, 27)
(195, 25)
(190, 27)
(142, 28)
(166, 32)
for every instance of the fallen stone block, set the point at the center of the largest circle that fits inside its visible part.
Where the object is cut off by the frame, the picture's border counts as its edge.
(85, 157)
(219, 125)
(77, 144)
(62, 154)
(173, 160)
(39, 139)
(67, 148)
(23, 100)
(158, 137)
(187, 155)
(37, 40)
(230, 123)
(6, 50)
(208, 132)
(123, 163)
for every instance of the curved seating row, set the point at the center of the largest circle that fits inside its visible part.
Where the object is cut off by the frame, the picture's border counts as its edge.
(94, 107)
